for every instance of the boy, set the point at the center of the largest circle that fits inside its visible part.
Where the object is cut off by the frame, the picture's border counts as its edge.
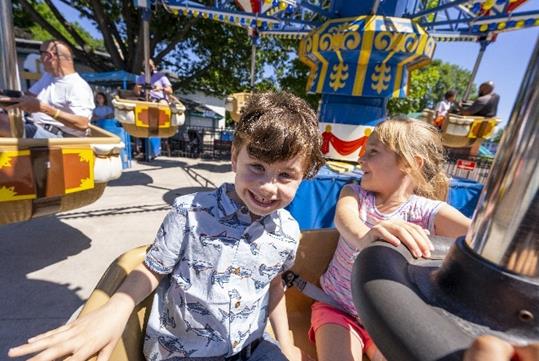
(221, 252)
(443, 107)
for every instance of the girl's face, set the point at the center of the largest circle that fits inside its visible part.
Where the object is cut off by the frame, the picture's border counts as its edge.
(100, 99)
(381, 171)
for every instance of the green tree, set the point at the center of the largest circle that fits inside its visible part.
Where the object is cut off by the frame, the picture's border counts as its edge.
(205, 55)
(428, 85)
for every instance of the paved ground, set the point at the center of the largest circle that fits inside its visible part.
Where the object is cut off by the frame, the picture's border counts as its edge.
(50, 265)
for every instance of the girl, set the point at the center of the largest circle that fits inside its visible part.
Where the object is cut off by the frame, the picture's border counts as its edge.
(102, 109)
(399, 201)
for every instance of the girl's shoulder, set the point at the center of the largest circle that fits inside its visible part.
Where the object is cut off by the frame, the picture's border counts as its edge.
(356, 188)
(364, 197)
(425, 202)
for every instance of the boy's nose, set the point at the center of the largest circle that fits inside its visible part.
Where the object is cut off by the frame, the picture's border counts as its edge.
(269, 186)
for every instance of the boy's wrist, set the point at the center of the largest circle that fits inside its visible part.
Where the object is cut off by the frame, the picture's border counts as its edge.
(122, 303)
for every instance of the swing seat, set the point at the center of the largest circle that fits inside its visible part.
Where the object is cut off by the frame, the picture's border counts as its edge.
(46, 176)
(234, 103)
(462, 131)
(315, 250)
(144, 119)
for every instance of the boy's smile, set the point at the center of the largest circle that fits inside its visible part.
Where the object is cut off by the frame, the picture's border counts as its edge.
(265, 187)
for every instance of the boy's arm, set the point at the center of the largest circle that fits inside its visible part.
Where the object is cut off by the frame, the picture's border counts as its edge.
(98, 331)
(279, 320)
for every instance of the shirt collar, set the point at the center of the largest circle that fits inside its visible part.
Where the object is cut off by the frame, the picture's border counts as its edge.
(229, 208)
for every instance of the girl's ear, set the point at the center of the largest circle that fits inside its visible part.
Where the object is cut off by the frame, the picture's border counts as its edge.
(419, 161)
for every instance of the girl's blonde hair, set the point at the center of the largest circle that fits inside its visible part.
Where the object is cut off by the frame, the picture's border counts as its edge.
(413, 140)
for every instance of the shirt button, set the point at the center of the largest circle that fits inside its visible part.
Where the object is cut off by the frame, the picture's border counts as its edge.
(235, 344)
(237, 305)
(237, 271)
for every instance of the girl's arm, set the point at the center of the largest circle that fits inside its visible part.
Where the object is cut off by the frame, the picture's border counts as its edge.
(449, 222)
(347, 220)
(98, 331)
(279, 320)
(395, 232)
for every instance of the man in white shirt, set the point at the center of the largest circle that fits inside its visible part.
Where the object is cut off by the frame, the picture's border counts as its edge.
(61, 102)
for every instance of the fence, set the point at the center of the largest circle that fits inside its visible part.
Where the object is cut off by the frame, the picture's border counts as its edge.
(195, 142)
(469, 167)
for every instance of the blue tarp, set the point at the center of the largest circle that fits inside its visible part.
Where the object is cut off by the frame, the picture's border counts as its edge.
(315, 201)
(111, 77)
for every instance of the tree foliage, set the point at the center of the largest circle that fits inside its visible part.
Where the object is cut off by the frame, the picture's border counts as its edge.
(205, 55)
(428, 85)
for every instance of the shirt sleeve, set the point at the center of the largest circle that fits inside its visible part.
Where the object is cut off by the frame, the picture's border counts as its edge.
(294, 232)
(164, 253)
(38, 85)
(165, 82)
(477, 105)
(81, 100)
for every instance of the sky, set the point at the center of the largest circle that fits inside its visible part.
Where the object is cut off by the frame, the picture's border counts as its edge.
(504, 60)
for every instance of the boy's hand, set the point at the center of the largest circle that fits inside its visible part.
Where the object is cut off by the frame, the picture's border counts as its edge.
(94, 333)
(490, 348)
(396, 232)
(294, 353)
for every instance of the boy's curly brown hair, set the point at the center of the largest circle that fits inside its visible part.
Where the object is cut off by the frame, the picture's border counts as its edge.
(279, 126)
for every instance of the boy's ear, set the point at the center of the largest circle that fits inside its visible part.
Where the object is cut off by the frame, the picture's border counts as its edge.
(234, 157)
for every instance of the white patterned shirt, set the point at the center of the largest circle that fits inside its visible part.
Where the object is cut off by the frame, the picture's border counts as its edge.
(219, 263)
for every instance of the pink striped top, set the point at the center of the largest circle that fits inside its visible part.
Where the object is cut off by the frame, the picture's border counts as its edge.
(336, 281)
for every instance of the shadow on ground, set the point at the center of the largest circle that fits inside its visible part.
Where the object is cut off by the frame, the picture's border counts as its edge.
(133, 178)
(33, 305)
(170, 196)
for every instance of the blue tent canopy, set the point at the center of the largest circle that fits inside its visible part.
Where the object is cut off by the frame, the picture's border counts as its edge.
(120, 76)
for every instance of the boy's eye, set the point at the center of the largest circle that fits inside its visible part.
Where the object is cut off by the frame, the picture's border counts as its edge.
(285, 175)
(258, 168)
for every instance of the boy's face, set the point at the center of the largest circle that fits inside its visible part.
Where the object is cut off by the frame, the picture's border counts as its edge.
(265, 187)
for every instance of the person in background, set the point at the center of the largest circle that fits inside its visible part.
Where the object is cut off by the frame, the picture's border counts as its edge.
(60, 103)
(486, 105)
(102, 110)
(443, 107)
(161, 86)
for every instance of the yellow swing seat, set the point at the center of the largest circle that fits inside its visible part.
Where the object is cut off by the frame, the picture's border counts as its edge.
(234, 103)
(143, 119)
(315, 250)
(463, 130)
(46, 176)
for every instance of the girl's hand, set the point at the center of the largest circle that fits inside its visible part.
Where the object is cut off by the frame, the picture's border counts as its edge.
(396, 232)
(94, 333)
